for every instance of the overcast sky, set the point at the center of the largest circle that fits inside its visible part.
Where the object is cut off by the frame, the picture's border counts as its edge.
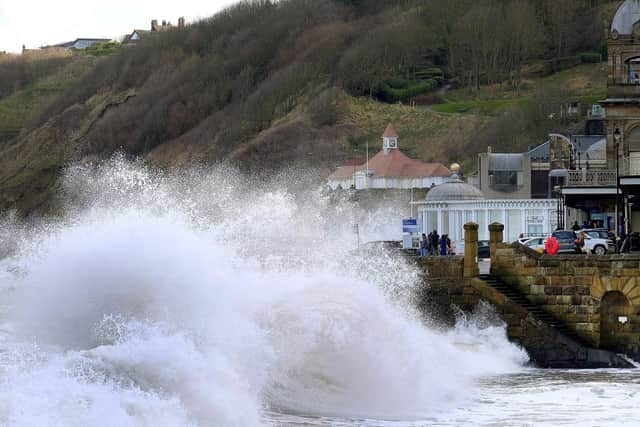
(36, 23)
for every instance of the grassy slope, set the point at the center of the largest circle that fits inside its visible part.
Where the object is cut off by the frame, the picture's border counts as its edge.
(441, 134)
(20, 107)
(423, 133)
(585, 83)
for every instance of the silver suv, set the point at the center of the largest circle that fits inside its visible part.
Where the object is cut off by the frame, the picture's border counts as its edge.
(598, 241)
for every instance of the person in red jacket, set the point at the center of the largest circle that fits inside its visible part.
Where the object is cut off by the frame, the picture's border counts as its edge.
(551, 246)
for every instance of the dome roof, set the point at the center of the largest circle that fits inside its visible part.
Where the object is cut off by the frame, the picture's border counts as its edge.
(453, 190)
(626, 16)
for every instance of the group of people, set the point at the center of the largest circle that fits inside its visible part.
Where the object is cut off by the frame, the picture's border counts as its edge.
(586, 225)
(434, 244)
(552, 246)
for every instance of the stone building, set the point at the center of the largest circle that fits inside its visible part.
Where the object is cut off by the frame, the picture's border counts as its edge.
(80, 43)
(612, 191)
(155, 28)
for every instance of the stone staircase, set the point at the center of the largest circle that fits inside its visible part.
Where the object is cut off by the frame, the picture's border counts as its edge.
(534, 310)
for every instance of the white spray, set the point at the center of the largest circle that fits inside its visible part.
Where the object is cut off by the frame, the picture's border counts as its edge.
(201, 299)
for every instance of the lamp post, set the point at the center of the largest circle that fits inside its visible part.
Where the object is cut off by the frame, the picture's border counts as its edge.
(616, 140)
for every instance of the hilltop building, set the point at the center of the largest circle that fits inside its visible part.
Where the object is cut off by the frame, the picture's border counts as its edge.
(390, 168)
(81, 43)
(138, 35)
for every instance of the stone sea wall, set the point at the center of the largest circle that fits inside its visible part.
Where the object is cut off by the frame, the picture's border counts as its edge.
(597, 297)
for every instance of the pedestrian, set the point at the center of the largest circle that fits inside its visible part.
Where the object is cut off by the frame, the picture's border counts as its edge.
(424, 245)
(585, 224)
(551, 246)
(580, 244)
(434, 242)
(575, 227)
(444, 245)
(452, 247)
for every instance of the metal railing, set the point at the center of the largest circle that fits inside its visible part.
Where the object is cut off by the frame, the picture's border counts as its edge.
(591, 178)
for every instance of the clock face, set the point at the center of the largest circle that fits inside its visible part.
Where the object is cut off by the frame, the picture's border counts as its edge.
(392, 143)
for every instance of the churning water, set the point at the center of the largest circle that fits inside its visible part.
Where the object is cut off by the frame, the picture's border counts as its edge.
(199, 299)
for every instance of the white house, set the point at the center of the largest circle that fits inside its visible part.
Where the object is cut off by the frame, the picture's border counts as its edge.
(389, 169)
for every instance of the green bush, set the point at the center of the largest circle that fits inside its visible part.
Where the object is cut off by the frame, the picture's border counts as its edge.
(590, 58)
(430, 73)
(398, 83)
(391, 95)
(101, 49)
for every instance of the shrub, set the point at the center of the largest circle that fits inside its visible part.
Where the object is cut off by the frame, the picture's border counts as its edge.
(388, 94)
(398, 83)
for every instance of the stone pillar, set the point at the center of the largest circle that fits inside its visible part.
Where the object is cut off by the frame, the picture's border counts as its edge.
(495, 236)
(471, 250)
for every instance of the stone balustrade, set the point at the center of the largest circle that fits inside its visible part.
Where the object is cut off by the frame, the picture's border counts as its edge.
(591, 178)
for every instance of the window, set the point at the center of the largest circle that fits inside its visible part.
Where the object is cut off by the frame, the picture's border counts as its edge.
(506, 180)
(634, 71)
(468, 216)
(445, 222)
(495, 215)
(514, 224)
(483, 231)
(432, 221)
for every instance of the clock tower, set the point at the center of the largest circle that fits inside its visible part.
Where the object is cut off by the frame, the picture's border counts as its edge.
(389, 139)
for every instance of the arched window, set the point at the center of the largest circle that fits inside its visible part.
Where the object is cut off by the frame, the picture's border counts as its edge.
(633, 70)
(633, 140)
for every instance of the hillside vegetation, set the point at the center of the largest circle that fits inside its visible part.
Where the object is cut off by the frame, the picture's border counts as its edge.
(269, 84)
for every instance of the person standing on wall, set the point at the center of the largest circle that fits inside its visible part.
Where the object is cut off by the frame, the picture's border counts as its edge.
(424, 245)
(434, 242)
(444, 244)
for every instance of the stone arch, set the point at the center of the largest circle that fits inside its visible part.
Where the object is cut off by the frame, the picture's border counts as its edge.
(629, 56)
(614, 306)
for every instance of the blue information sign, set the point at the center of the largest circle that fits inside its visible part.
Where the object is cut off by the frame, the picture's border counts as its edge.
(410, 225)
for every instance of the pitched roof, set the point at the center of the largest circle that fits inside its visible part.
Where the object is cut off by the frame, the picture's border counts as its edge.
(394, 164)
(390, 132)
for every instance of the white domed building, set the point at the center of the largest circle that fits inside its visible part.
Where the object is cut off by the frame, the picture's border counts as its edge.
(447, 207)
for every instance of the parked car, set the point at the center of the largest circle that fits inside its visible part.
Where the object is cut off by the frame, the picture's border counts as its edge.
(536, 243)
(566, 239)
(483, 249)
(598, 241)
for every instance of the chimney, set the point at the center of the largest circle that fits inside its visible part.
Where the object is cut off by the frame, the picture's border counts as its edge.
(489, 149)
(164, 22)
(181, 22)
(154, 24)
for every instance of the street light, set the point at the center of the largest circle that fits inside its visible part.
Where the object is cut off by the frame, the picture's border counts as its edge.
(616, 139)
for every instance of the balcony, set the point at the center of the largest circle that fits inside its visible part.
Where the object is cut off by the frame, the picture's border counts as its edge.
(591, 178)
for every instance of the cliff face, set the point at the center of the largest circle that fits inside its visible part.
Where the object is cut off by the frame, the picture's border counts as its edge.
(263, 84)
